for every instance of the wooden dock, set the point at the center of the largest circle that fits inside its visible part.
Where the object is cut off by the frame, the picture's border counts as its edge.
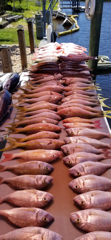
(71, 4)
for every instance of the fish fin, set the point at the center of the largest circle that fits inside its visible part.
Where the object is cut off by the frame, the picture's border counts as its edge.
(8, 157)
(1, 180)
(2, 168)
(13, 144)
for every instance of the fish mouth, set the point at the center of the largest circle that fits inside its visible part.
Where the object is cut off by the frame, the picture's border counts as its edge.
(74, 217)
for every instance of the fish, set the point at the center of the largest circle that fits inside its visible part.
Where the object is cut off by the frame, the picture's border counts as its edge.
(24, 217)
(96, 235)
(89, 167)
(89, 183)
(28, 181)
(78, 104)
(79, 112)
(76, 100)
(34, 128)
(22, 114)
(5, 102)
(80, 120)
(74, 96)
(44, 114)
(84, 156)
(43, 143)
(30, 233)
(75, 58)
(70, 80)
(91, 133)
(36, 95)
(82, 125)
(57, 88)
(38, 135)
(80, 84)
(33, 168)
(28, 198)
(37, 106)
(33, 121)
(11, 82)
(94, 199)
(80, 147)
(87, 92)
(48, 98)
(90, 220)
(31, 155)
(83, 139)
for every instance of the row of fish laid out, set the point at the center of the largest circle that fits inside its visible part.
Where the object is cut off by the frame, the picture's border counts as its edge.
(83, 149)
(38, 120)
(42, 103)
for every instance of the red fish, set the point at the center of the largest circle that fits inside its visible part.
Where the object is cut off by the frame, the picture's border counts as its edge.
(91, 133)
(31, 155)
(34, 128)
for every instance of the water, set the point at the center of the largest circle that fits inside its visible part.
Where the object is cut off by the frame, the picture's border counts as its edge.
(82, 38)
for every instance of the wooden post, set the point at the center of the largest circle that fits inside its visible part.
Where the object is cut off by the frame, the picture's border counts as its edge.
(6, 59)
(95, 30)
(31, 35)
(22, 46)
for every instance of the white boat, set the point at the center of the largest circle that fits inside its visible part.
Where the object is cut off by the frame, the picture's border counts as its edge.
(103, 63)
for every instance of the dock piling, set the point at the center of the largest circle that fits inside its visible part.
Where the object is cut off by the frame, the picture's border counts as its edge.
(95, 30)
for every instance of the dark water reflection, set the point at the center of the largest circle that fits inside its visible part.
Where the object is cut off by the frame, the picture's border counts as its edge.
(82, 36)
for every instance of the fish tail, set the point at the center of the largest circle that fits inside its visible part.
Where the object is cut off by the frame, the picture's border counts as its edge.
(106, 114)
(102, 102)
(8, 157)
(13, 144)
(14, 139)
(2, 168)
(21, 108)
(13, 129)
(96, 121)
(97, 125)
(1, 180)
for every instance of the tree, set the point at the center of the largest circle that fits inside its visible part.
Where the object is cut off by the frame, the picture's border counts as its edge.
(3, 4)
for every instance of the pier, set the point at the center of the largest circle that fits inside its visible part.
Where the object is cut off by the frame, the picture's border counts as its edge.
(71, 4)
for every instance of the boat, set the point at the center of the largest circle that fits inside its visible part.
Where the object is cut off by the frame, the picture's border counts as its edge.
(67, 22)
(103, 63)
(60, 15)
(72, 17)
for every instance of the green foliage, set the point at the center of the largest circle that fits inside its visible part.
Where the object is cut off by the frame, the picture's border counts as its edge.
(28, 9)
(3, 4)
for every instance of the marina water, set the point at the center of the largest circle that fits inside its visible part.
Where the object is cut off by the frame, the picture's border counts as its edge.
(82, 38)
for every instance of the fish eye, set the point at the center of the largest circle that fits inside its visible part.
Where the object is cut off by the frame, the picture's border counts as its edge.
(46, 168)
(78, 174)
(82, 202)
(44, 219)
(44, 198)
(69, 162)
(67, 151)
(44, 181)
(77, 220)
(76, 187)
